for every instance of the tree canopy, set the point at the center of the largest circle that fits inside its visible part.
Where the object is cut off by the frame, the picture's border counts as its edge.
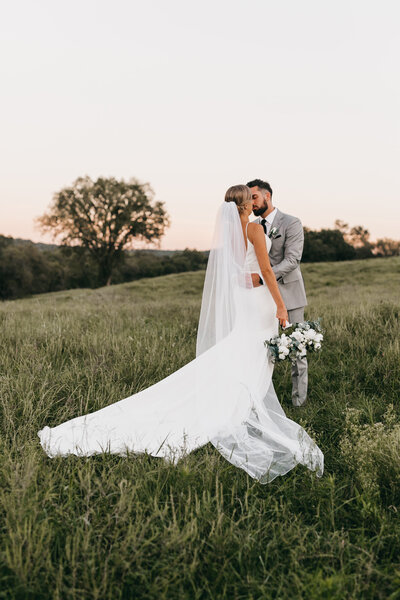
(105, 216)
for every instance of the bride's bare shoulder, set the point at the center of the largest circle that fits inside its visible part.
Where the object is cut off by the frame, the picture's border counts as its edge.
(254, 226)
(254, 230)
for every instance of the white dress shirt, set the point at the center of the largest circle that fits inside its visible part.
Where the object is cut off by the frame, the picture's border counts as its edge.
(269, 219)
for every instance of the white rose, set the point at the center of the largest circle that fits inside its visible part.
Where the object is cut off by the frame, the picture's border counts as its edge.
(297, 335)
(310, 334)
(284, 340)
(317, 346)
(319, 337)
(281, 357)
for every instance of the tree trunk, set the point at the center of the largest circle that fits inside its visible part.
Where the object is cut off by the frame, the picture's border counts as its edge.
(105, 272)
(107, 262)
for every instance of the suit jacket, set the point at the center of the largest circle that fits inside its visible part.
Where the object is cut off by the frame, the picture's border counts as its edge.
(285, 256)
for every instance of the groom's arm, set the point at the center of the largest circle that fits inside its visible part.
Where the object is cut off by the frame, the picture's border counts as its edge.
(293, 249)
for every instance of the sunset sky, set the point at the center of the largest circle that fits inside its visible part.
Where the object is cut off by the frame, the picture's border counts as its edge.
(193, 97)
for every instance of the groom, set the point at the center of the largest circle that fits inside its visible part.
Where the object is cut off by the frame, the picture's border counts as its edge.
(287, 240)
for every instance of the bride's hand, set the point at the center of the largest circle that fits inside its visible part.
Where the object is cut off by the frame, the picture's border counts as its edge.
(282, 315)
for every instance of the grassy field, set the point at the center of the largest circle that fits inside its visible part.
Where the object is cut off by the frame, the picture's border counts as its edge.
(109, 527)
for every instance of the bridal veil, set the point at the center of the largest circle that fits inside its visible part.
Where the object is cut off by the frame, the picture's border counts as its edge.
(224, 396)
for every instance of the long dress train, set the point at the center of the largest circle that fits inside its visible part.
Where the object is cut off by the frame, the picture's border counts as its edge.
(224, 396)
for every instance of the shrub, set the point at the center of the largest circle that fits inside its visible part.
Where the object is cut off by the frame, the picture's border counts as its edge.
(371, 452)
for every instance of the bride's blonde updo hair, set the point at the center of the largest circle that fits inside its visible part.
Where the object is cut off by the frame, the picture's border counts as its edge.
(240, 195)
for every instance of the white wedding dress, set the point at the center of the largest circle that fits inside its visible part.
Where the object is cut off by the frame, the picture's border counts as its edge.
(224, 396)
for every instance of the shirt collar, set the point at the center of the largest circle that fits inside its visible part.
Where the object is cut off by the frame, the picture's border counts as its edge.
(271, 216)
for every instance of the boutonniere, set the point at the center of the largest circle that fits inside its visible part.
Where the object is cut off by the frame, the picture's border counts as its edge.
(274, 233)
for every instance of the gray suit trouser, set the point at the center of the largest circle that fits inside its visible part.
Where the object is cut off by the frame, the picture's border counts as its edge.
(300, 368)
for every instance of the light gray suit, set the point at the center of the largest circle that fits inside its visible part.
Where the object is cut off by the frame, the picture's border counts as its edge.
(285, 256)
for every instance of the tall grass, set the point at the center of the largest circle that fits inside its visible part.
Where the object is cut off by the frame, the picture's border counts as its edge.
(112, 527)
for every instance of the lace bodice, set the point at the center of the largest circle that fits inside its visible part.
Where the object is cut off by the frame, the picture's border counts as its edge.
(251, 262)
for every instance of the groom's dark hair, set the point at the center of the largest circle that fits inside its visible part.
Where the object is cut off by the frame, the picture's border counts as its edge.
(262, 185)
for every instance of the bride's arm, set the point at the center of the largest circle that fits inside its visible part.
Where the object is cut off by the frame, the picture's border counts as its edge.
(256, 235)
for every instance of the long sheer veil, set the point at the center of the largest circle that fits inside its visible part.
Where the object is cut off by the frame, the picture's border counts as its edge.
(225, 276)
(220, 397)
(254, 434)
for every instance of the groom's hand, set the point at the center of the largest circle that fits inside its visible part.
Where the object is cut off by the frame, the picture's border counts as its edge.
(256, 279)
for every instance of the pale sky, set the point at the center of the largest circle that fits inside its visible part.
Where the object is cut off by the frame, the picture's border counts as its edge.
(194, 97)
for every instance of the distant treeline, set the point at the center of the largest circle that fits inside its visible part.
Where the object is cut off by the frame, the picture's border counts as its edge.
(345, 243)
(27, 268)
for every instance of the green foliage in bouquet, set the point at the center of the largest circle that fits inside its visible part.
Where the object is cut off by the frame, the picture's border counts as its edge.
(296, 341)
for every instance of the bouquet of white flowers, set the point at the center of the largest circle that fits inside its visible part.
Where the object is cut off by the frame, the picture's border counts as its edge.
(296, 341)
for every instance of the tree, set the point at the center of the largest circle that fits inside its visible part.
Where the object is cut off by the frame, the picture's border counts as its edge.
(5, 241)
(360, 240)
(358, 237)
(325, 245)
(387, 247)
(105, 217)
(342, 227)
(26, 270)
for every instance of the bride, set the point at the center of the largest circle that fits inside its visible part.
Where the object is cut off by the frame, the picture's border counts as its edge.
(225, 395)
